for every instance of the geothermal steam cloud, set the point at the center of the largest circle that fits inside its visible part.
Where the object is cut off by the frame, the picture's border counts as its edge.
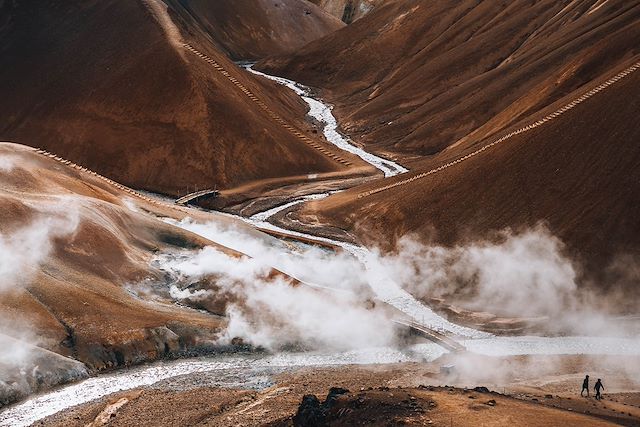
(517, 274)
(22, 252)
(271, 312)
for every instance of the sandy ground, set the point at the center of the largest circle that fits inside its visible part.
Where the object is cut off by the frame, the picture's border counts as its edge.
(526, 391)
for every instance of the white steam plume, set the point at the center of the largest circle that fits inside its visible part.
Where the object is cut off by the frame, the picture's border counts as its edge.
(522, 274)
(271, 312)
(22, 251)
(518, 275)
(7, 163)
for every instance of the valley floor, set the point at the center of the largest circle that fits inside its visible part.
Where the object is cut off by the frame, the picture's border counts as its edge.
(526, 391)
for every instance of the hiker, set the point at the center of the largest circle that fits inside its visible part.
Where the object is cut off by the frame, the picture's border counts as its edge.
(597, 388)
(585, 386)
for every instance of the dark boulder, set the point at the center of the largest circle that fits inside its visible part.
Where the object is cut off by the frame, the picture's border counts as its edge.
(310, 413)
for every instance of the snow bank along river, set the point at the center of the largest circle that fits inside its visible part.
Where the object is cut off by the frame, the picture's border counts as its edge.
(383, 286)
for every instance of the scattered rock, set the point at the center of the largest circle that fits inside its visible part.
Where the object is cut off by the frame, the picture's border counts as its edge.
(481, 389)
(108, 413)
(491, 402)
(237, 341)
(310, 413)
(334, 394)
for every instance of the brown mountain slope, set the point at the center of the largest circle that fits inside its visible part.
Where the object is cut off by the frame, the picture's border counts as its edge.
(80, 242)
(252, 29)
(79, 276)
(347, 10)
(416, 77)
(579, 172)
(108, 84)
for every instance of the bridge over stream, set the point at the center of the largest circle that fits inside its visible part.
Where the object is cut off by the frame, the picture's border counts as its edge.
(442, 340)
(184, 200)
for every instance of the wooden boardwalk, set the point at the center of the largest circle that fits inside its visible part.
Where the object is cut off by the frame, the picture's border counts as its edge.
(196, 195)
(433, 336)
(272, 115)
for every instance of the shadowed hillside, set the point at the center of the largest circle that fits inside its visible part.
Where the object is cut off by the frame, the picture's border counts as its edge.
(109, 84)
(434, 82)
(416, 77)
(252, 29)
(347, 10)
(576, 171)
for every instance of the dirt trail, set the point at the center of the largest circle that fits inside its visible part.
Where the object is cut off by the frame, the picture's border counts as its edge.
(109, 181)
(273, 115)
(530, 126)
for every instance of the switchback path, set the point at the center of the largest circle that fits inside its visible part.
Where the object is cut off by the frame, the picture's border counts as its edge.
(621, 75)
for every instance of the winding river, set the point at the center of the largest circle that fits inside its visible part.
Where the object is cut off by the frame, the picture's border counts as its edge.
(255, 370)
(322, 112)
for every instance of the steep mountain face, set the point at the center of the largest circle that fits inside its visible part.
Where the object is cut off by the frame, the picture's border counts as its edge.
(253, 29)
(110, 85)
(417, 77)
(347, 10)
(577, 172)
(436, 81)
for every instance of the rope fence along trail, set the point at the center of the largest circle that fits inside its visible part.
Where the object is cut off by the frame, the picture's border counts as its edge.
(274, 116)
(107, 180)
(524, 129)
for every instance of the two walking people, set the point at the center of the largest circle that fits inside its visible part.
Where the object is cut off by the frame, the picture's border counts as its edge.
(598, 387)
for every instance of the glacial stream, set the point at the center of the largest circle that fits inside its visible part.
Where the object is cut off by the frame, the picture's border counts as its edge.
(322, 112)
(383, 286)
(255, 370)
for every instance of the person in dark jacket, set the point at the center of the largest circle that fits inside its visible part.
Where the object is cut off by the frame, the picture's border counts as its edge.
(585, 386)
(597, 388)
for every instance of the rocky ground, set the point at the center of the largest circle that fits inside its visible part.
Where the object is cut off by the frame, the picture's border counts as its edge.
(524, 391)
